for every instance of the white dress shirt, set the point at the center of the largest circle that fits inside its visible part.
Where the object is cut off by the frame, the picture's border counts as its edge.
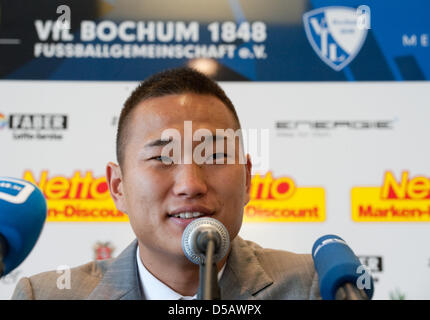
(154, 289)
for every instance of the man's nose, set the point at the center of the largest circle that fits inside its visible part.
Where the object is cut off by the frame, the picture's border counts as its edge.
(190, 181)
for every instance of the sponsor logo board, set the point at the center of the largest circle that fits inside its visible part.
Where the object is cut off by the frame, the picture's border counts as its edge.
(281, 200)
(84, 197)
(399, 199)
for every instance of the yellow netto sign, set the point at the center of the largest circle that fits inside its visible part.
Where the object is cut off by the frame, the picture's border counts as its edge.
(85, 198)
(281, 200)
(404, 200)
(79, 198)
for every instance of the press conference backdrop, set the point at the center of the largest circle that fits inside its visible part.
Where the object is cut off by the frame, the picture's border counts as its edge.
(334, 93)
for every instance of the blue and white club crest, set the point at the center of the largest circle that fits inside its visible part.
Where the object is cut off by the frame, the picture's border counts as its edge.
(334, 34)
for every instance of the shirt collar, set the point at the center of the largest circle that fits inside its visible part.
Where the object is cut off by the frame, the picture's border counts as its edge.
(154, 289)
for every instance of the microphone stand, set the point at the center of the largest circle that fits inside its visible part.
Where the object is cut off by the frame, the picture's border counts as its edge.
(208, 284)
(349, 292)
(3, 252)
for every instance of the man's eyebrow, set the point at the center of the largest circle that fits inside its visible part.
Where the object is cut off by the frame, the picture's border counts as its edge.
(158, 143)
(163, 142)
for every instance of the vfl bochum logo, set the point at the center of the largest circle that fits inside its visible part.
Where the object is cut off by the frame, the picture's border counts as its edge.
(334, 34)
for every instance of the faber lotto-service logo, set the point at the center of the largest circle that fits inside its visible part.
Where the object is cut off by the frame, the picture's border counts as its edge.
(35, 126)
(337, 33)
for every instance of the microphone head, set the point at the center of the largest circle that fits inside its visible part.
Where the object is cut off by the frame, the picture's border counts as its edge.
(336, 264)
(22, 215)
(194, 229)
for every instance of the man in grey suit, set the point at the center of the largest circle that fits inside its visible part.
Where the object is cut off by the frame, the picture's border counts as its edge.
(162, 190)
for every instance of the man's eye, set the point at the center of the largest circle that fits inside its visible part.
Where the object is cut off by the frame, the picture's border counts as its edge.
(219, 155)
(163, 159)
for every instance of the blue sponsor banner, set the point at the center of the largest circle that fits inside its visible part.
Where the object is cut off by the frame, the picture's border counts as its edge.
(231, 40)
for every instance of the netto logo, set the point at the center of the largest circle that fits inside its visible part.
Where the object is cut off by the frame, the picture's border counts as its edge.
(334, 124)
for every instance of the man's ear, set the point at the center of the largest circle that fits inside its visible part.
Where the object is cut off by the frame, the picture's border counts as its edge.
(115, 185)
(248, 168)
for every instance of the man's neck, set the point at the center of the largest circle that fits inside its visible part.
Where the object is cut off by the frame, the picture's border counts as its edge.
(178, 273)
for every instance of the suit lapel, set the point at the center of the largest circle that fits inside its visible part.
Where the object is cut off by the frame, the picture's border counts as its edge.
(120, 281)
(243, 277)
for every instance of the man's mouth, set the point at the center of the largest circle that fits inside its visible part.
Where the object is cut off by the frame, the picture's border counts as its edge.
(189, 215)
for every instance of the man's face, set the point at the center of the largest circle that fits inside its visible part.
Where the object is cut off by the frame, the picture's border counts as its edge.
(154, 193)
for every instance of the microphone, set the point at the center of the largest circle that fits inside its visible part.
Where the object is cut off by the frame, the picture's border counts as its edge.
(22, 215)
(341, 274)
(205, 242)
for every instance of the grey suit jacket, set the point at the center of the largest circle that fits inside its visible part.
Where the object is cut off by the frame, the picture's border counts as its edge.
(252, 272)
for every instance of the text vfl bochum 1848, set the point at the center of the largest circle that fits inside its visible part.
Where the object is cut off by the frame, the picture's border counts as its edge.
(334, 34)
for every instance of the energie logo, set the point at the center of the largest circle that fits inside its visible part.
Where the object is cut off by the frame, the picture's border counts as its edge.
(406, 199)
